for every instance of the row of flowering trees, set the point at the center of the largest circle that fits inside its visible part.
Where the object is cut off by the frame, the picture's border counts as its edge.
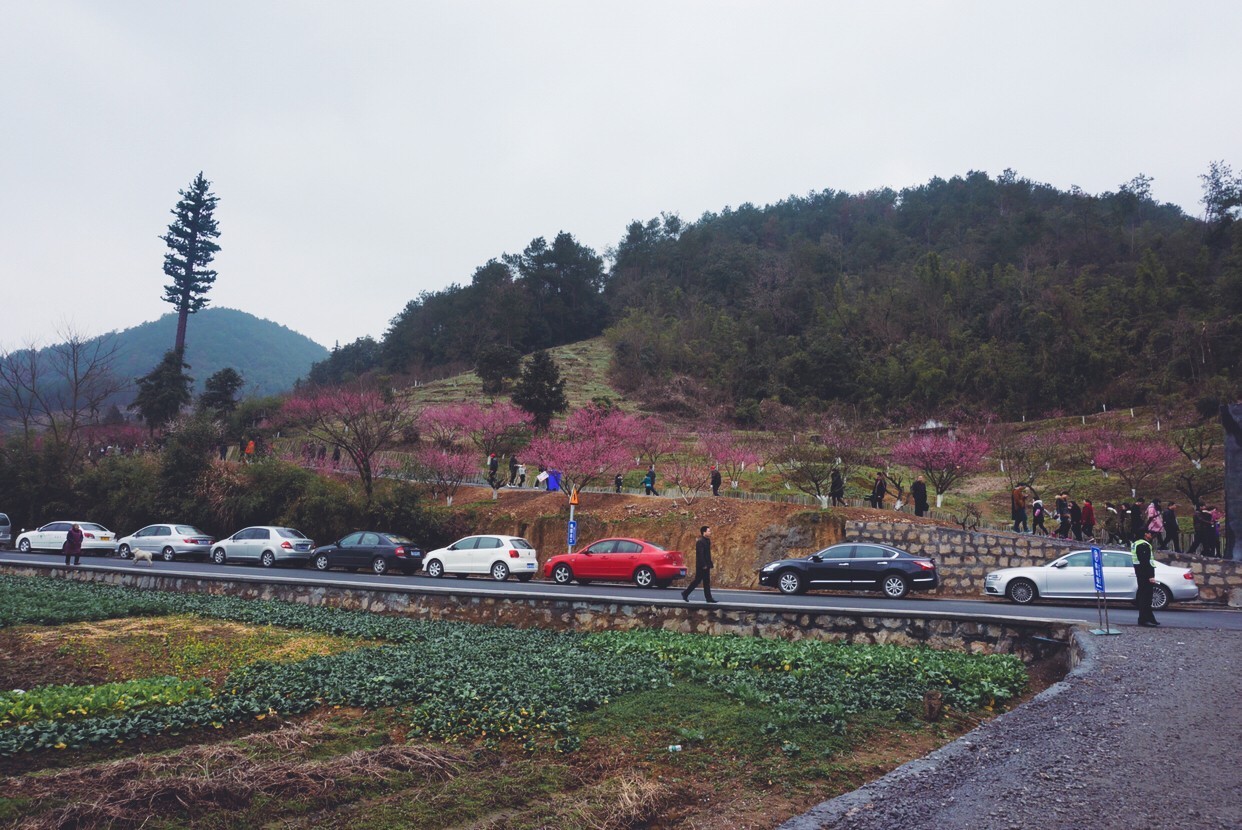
(451, 442)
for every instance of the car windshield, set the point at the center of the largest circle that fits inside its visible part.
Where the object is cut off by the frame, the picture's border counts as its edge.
(522, 544)
(188, 530)
(91, 526)
(289, 533)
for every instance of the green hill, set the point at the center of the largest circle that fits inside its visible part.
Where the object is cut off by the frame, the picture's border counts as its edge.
(269, 356)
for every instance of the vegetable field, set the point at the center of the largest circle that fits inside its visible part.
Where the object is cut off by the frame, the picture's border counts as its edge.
(565, 729)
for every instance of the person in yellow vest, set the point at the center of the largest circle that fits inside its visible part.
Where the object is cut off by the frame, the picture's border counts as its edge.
(1146, 575)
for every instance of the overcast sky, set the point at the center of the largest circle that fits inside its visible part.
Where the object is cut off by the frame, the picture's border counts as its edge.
(364, 152)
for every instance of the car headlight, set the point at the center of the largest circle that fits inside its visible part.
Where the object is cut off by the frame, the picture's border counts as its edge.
(993, 578)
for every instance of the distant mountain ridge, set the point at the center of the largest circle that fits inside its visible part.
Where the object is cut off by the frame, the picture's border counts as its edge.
(270, 357)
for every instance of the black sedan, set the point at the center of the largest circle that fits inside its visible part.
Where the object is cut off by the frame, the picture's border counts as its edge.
(371, 549)
(853, 566)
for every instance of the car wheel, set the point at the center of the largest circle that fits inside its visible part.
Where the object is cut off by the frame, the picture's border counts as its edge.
(168, 554)
(791, 582)
(1160, 597)
(500, 571)
(562, 575)
(24, 546)
(218, 556)
(123, 551)
(379, 565)
(267, 559)
(895, 586)
(1021, 591)
(644, 577)
(434, 569)
(321, 562)
(525, 577)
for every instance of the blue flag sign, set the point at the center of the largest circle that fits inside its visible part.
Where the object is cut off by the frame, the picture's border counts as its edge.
(1097, 569)
(573, 533)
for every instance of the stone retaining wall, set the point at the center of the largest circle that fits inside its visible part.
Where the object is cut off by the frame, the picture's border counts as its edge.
(965, 557)
(1031, 639)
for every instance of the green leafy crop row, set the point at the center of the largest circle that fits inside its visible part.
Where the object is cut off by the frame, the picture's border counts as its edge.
(457, 680)
(59, 702)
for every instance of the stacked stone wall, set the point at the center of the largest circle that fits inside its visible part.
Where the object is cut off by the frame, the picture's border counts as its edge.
(965, 557)
(1030, 639)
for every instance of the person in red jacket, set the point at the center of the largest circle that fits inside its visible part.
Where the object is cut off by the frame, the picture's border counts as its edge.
(72, 547)
(1088, 520)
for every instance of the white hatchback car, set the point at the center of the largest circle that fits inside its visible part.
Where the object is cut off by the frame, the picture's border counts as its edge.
(1072, 577)
(265, 545)
(96, 538)
(498, 556)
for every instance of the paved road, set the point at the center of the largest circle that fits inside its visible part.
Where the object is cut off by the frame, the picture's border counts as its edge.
(1120, 613)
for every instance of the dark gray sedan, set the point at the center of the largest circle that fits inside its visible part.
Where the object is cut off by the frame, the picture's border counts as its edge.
(377, 551)
(854, 566)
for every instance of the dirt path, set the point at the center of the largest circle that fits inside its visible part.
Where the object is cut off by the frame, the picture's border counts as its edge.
(1144, 734)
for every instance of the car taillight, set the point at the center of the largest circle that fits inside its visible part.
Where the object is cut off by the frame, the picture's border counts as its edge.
(514, 554)
(1188, 575)
(400, 551)
(927, 565)
(89, 535)
(286, 546)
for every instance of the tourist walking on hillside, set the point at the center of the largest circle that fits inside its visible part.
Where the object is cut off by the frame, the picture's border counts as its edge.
(617, 481)
(521, 475)
(1112, 524)
(836, 488)
(513, 467)
(1145, 572)
(493, 466)
(878, 491)
(1038, 513)
(715, 481)
(702, 565)
(1075, 519)
(73, 545)
(1088, 520)
(649, 482)
(1017, 508)
(1154, 518)
(1138, 521)
(919, 491)
(1063, 515)
(1172, 533)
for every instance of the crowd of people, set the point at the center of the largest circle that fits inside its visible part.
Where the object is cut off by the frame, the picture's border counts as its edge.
(1118, 524)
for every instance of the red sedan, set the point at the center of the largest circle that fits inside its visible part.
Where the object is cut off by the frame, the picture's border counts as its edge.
(617, 560)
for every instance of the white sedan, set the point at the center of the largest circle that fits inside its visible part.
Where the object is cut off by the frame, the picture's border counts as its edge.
(498, 556)
(1072, 577)
(96, 538)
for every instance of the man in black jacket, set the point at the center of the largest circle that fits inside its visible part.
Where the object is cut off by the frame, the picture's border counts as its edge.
(702, 565)
(1145, 572)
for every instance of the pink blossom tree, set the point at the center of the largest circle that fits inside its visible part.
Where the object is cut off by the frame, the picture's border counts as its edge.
(730, 453)
(687, 473)
(653, 441)
(944, 459)
(360, 420)
(443, 469)
(588, 446)
(444, 425)
(1135, 460)
(1025, 456)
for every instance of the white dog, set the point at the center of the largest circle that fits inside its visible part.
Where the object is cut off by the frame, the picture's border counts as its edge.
(143, 556)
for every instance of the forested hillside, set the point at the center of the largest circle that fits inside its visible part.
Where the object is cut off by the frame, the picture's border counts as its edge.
(972, 292)
(269, 356)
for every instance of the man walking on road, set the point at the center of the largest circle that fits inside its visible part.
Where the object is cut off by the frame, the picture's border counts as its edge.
(702, 565)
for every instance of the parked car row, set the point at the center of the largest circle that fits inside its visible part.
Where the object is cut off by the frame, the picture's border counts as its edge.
(850, 566)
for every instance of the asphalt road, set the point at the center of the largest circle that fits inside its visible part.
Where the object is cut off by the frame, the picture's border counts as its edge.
(1120, 613)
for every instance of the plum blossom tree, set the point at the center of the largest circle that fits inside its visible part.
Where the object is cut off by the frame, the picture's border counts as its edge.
(443, 469)
(361, 420)
(730, 453)
(654, 440)
(806, 464)
(588, 446)
(1025, 456)
(944, 459)
(1135, 460)
(688, 474)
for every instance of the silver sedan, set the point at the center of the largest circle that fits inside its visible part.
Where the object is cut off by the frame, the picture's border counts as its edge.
(1072, 577)
(170, 541)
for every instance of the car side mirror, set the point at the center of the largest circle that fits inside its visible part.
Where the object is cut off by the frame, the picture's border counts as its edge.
(1060, 564)
(815, 557)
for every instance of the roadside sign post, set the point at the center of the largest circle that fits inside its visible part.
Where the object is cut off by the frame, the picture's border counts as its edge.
(1101, 601)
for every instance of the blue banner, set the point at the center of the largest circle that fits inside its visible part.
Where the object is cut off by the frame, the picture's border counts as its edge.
(1097, 569)
(573, 533)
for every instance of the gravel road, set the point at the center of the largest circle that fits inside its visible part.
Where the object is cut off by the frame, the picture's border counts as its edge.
(1145, 733)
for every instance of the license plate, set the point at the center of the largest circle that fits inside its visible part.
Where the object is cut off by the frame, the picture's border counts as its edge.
(530, 565)
(105, 538)
(683, 572)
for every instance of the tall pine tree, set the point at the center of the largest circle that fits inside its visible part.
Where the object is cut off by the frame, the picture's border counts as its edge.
(540, 389)
(190, 240)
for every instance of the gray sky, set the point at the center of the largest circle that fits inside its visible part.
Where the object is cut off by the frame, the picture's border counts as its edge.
(364, 152)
